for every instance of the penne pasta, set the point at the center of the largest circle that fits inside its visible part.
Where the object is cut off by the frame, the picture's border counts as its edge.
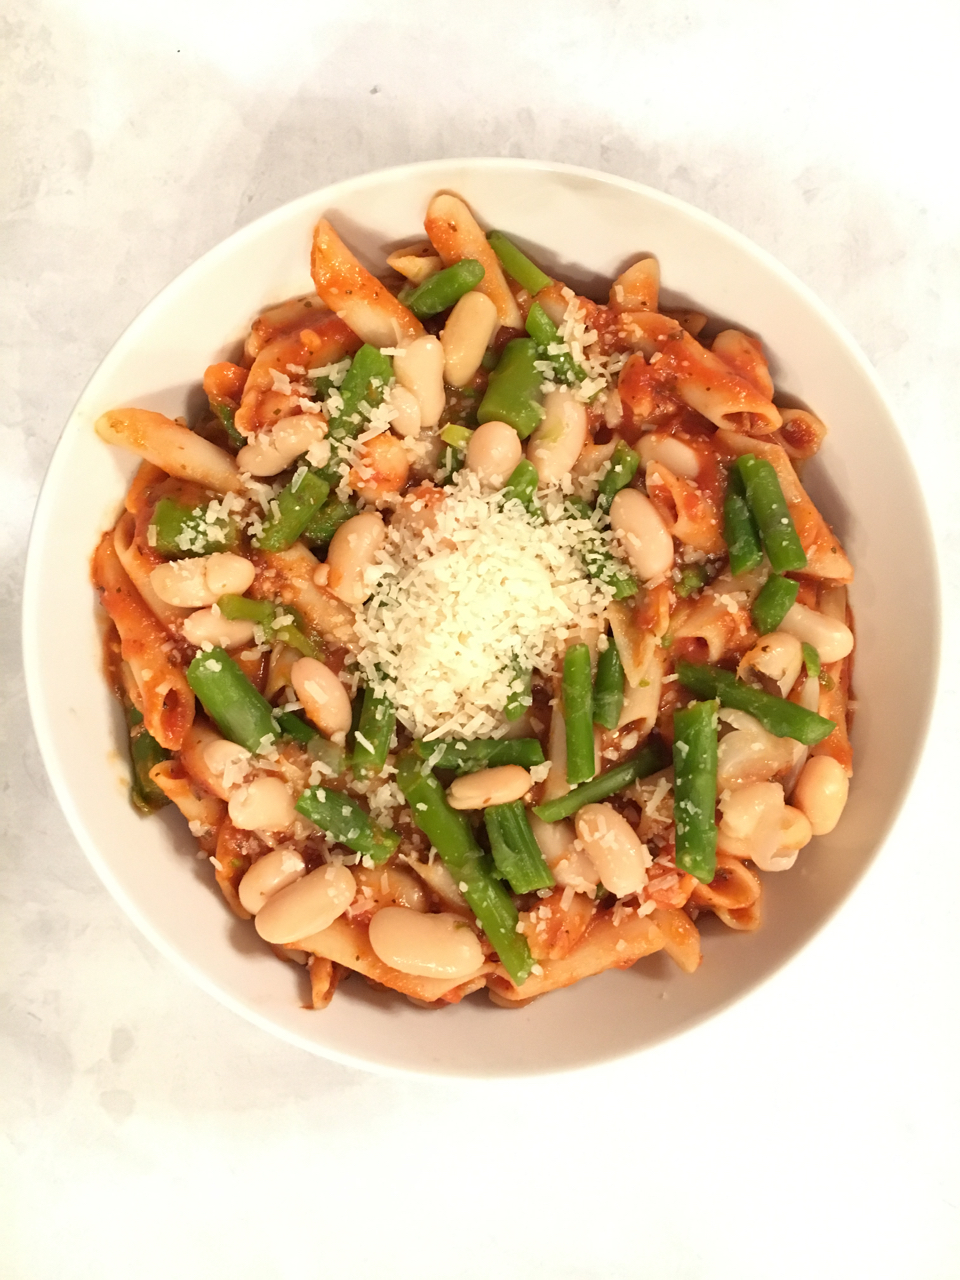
(356, 296)
(455, 234)
(171, 447)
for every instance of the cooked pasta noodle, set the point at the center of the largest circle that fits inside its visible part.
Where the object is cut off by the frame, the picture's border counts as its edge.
(420, 710)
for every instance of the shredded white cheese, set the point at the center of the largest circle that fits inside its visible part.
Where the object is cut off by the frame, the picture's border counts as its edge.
(454, 611)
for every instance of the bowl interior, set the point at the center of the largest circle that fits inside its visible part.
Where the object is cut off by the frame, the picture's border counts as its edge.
(585, 226)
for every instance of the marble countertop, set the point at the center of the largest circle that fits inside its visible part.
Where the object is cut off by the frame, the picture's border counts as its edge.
(811, 1130)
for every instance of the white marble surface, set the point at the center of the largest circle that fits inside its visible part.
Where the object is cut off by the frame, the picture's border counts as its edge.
(813, 1129)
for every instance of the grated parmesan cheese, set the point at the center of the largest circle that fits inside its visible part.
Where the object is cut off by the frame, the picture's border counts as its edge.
(452, 610)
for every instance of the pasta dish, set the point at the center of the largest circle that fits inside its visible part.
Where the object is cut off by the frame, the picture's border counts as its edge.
(483, 633)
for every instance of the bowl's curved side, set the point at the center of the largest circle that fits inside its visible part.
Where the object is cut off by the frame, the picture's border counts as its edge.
(864, 482)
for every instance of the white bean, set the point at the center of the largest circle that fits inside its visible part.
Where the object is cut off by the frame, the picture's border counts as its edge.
(501, 785)
(831, 638)
(754, 815)
(228, 762)
(324, 698)
(352, 551)
(570, 866)
(228, 574)
(556, 443)
(673, 453)
(200, 580)
(307, 906)
(466, 336)
(407, 419)
(270, 452)
(619, 855)
(265, 804)
(645, 538)
(778, 656)
(183, 582)
(419, 368)
(430, 946)
(268, 875)
(206, 627)
(494, 450)
(821, 793)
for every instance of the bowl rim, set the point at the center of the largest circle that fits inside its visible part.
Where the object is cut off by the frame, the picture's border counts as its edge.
(328, 196)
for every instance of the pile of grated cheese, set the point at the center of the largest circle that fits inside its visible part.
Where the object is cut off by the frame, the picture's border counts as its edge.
(455, 610)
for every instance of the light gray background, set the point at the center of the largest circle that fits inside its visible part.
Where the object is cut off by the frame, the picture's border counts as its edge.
(813, 1129)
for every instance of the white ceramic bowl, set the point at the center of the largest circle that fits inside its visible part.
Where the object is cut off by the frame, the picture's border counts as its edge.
(585, 226)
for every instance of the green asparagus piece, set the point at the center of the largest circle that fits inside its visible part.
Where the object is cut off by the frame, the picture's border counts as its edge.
(373, 733)
(515, 852)
(546, 335)
(648, 760)
(339, 815)
(364, 384)
(513, 392)
(265, 614)
(444, 288)
(521, 693)
(608, 687)
(596, 556)
(695, 788)
(296, 506)
(773, 602)
(179, 530)
(291, 726)
(226, 416)
(768, 505)
(517, 265)
(145, 752)
(455, 435)
(481, 753)
(326, 520)
(692, 579)
(623, 467)
(778, 716)
(578, 714)
(811, 660)
(522, 485)
(241, 713)
(740, 530)
(450, 833)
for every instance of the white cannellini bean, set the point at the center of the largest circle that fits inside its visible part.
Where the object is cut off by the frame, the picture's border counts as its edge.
(494, 450)
(228, 574)
(325, 700)
(673, 453)
(831, 638)
(270, 452)
(821, 793)
(419, 368)
(556, 443)
(619, 855)
(407, 419)
(428, 945)
(307, 906)
(268, 875)
(754, 814)
(194, 582)
(778, 656)
(466, 336)
(206, 627)
(500, 785)
(352, 551)
(265, 804)
(644, 536)
(228, 762)
(570, 866)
